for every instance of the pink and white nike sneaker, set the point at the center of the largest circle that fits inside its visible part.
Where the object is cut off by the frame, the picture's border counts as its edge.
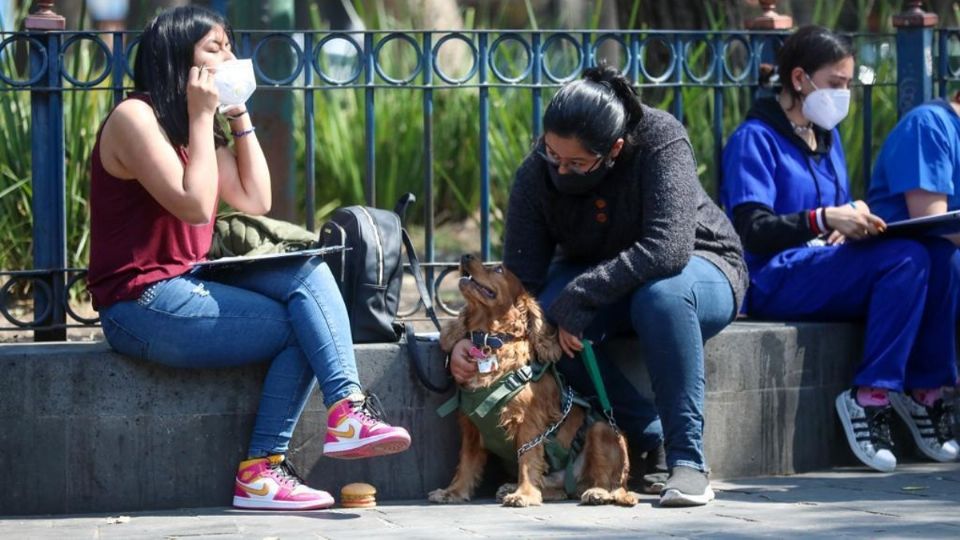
(355, 430)
(269, 483)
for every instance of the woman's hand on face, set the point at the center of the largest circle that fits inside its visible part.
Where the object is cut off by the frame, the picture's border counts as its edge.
(854, 222)
(462, 367)
(570, 343)
(202, 94)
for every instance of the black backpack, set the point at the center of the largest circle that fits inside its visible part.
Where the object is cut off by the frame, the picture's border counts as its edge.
(370, 273)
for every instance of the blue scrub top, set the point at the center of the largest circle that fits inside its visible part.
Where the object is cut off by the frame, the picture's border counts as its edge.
(922, 152)
(762, 166)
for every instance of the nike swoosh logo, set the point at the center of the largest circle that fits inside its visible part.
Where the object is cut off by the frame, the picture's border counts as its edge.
(261, 491)
(348, 434)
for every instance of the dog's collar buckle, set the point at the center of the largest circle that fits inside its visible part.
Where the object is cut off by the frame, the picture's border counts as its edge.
(488, 342)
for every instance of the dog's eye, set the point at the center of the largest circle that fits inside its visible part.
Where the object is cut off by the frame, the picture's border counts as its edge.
(498, 269)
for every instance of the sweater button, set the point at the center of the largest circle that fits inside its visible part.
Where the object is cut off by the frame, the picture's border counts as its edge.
(601, 218)
(600, 204)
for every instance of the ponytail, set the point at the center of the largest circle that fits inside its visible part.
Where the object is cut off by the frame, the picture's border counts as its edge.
(622, 88)
(598, 109)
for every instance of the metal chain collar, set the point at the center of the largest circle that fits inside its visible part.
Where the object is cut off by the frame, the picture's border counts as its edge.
(567, 405)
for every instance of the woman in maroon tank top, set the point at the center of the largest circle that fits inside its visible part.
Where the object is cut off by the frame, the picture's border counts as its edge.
(161, 164)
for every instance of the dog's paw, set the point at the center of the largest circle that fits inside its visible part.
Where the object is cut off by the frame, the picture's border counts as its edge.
(595, 496)
(445, 496)
(521, 500)
(505, 490)
(622, 497)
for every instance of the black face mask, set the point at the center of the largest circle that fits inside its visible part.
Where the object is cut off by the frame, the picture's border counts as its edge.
(577, 184)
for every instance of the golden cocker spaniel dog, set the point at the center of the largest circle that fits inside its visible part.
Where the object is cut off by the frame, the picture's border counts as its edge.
(498, 304)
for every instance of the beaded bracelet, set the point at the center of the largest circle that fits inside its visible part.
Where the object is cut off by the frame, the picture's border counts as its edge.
(244, 133)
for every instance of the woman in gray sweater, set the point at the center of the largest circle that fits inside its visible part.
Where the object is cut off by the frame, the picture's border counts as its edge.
(610, 227)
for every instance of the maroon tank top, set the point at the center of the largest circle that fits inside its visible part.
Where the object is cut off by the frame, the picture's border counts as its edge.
(134, 241)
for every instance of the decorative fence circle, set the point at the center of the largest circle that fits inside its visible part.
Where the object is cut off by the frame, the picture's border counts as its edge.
(671, 64)
(628, 56)
(492, 54)
(729, 45)
(129, 56)
(446, 308)
(560, 39)
(475, 57)
(318, 51)
(952, 60)
(294, 46)
(40, 71)
(712, 65)
(416, 47)
(77, 277)
(75, 40)
(41, 286)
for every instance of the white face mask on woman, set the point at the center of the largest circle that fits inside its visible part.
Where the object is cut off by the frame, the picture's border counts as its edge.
(235, 81)
(826, 107)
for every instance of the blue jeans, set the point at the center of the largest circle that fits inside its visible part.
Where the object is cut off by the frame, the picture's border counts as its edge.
(672, 319)
(905, 289)
(288, 313)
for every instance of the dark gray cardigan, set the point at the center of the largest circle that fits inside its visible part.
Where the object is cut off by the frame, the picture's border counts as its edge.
(643, 223)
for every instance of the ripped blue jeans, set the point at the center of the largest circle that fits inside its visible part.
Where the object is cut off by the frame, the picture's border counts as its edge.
(287, 313)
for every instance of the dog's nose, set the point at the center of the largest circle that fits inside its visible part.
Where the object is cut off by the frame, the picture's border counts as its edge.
(466, 258)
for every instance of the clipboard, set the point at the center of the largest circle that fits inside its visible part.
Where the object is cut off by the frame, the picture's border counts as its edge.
(938, 225)
(247, 259)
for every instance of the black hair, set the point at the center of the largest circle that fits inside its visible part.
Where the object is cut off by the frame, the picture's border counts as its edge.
(597, 109)
(810, 48)
(163, 62)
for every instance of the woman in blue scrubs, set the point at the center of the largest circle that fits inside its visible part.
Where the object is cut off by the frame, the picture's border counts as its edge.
(811, 256)
(918, 171)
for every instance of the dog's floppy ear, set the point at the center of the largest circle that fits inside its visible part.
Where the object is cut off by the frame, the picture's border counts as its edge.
(542, 335)
(453, 331)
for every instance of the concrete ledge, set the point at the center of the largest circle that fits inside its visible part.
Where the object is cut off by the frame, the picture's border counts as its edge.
(91, 431)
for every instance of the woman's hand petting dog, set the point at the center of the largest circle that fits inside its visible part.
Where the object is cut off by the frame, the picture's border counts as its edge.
(462, 367)
(570, 343)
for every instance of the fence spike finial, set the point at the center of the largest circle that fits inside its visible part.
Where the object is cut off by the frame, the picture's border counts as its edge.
(45, 18)
(913, 16)
(770, 19)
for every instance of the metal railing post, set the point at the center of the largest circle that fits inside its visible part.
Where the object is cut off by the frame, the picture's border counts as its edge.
(763, 46)
(914, 55)
(770, 19)
(369, 119)
(484, 151)
(428, 178)
(48, 202)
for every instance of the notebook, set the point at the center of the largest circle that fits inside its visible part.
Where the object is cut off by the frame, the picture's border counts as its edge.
(938, 225)
(225, 261)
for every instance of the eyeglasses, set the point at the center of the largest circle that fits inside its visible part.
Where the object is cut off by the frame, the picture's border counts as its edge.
(575, 169)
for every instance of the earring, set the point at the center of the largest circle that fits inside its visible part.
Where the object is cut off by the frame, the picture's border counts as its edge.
(797, 88)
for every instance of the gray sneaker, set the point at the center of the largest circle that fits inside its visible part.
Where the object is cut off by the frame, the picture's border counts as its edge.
(868, 431)
(686, 487)
(931, 427)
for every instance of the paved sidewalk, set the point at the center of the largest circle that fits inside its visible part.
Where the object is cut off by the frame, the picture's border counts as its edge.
(920, 501)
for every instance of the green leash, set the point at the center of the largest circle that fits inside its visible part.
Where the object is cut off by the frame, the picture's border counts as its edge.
(590, 360)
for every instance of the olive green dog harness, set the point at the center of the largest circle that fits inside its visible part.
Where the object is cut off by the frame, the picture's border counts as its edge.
(483, 405)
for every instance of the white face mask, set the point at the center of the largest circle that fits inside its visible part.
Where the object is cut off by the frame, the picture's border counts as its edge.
(826, 107)
(235, 81)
